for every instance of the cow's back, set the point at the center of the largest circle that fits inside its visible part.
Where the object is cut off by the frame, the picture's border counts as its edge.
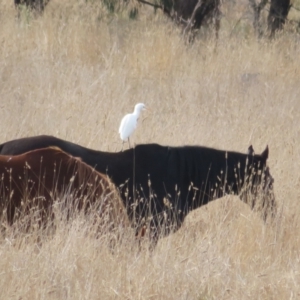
(23, 145)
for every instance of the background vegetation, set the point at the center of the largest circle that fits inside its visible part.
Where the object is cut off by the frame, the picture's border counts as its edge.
(76, 70)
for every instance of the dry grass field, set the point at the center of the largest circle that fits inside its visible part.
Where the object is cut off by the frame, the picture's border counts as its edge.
(75, 71)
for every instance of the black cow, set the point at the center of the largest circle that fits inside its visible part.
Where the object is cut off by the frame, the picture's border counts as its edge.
(192, 14)
(161, 184)
(198, 12)
(279, 10)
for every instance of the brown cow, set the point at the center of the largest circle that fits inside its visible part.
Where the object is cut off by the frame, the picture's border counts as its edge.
(38, 180)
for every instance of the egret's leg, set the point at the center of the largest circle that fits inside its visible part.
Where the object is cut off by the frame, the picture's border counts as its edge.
(129, 143)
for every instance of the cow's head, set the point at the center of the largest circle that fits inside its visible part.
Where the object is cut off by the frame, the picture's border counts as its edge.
(258, 190)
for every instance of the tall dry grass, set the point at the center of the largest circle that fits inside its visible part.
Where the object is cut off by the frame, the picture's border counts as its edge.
(75, 71)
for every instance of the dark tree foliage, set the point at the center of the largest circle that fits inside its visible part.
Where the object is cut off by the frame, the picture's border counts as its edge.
(112, 6)
(279, 10)
(117, 6)
(191, 14)
(36, 5)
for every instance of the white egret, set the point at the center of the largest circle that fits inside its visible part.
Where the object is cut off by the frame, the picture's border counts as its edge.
(129, 122)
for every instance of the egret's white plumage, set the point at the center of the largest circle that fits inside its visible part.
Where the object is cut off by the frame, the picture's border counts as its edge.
(129, 122)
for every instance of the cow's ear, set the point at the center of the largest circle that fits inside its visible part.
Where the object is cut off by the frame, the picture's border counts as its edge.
(265, 153)
(250, 150)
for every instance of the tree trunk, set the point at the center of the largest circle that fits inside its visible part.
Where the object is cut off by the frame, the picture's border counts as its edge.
(257, 8)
